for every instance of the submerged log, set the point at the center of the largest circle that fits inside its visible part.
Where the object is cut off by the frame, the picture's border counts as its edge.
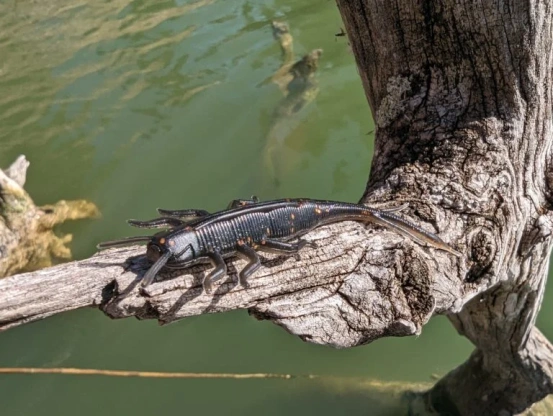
(299, 85)
(27, 238)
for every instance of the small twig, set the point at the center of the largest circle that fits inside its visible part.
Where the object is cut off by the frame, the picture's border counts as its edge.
(337, 382)
(148, 374)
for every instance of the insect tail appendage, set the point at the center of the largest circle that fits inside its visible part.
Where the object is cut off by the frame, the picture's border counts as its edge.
(414, 232)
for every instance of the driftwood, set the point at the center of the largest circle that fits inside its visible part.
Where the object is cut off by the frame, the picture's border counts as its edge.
(27, 238)
(461, 94)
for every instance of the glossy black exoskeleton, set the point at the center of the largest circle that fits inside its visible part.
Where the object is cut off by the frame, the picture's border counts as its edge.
(247, 225)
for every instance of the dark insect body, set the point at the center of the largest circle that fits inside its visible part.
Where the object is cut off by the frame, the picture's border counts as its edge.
(247, 225)
(340, 33)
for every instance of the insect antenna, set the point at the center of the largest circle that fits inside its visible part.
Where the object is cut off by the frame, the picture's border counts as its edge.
(153, 271)
(123, 242)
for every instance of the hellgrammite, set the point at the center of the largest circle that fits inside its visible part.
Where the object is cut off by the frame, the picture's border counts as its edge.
(197, 236)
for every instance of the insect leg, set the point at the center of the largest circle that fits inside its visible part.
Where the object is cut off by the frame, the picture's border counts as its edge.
(281, 247)
(183, 214)
(250, 268)
(157, 223)
(235, 203)
(150, 275)
(217, 273)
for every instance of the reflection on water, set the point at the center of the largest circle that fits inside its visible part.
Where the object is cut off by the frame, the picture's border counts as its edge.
(297, 80)
(140, 104)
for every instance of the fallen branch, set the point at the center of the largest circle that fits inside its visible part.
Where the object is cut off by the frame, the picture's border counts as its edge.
(351, 290)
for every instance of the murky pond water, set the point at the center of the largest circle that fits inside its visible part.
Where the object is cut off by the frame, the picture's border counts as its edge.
(143, 104)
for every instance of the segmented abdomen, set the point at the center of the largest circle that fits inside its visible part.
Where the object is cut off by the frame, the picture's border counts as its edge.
(252, 227)
(223, 235)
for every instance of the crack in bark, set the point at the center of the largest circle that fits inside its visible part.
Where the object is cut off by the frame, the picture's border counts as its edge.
(476, 148)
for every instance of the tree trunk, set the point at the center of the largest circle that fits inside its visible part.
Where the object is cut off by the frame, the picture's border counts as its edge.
(461, 94)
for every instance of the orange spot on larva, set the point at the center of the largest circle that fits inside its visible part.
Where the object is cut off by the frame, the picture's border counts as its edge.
(292, 216)
(171, 243)
(162, 241)
(318, 211)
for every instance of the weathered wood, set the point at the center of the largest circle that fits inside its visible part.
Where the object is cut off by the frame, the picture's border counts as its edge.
(27, 238)
(349, 291)
(461, 93)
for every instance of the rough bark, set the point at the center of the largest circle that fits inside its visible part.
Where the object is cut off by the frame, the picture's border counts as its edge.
(461, 94)
(27, 237)
(357, 286)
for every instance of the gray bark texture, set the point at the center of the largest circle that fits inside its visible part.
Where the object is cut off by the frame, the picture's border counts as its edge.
(461, 94)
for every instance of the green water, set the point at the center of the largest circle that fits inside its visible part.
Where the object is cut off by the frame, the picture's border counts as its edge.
(107, 101)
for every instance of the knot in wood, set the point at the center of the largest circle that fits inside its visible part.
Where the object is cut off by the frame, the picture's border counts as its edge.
(416, 287)
(482, 250)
